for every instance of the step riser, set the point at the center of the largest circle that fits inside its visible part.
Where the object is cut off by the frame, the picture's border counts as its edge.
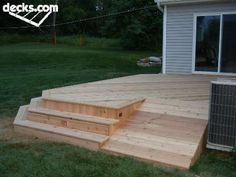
(70, 123)
(57, 137)
(99, 111)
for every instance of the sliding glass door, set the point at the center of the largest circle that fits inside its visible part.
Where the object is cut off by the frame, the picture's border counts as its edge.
(215, 48)
(228, 57)
(207, 43)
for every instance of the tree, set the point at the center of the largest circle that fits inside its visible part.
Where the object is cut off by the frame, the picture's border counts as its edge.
(138, 30)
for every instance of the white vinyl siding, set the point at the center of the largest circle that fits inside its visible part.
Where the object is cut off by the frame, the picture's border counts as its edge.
(179, 33)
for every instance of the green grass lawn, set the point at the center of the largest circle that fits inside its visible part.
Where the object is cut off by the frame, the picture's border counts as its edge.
(27, 69)
(42, 159)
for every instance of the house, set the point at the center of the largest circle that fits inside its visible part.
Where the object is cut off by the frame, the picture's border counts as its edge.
(199, 36)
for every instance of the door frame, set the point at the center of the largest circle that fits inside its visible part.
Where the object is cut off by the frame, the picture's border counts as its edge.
(195, 15)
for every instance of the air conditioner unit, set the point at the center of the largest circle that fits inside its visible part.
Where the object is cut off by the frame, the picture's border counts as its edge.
(222, 115)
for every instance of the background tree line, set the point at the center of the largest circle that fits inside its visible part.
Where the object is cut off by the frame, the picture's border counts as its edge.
(136, 30)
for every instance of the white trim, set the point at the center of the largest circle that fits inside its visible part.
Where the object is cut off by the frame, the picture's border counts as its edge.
(195, 15)
(213, 13)
(194, 42)
(220, 43)
(164, 41)
(214, 73)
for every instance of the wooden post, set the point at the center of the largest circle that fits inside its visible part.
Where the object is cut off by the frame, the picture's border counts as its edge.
(81, 40)
(55, 38)
(54, 27)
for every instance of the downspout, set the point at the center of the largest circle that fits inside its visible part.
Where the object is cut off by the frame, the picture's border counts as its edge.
(164, 41)
(159, 5)
(164, 11)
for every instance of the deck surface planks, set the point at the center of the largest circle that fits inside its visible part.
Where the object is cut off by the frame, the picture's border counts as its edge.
(180, 95)
(168, 128)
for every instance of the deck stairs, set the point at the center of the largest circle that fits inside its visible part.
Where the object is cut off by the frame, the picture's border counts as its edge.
(86, 125)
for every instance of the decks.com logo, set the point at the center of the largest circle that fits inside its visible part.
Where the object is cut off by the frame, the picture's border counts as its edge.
(30, 13)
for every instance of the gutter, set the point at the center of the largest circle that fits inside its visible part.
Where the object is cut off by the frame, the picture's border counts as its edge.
(159, 5)
(176, 2)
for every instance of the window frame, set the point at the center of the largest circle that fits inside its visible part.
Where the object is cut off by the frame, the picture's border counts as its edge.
(195, 15)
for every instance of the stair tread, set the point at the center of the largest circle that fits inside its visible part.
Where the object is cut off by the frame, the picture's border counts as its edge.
(113, 104)
(147, 153)
(63, 131)
(76, 116)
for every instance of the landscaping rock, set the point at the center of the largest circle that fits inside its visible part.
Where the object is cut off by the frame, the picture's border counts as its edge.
(154, 59)
(150, 61)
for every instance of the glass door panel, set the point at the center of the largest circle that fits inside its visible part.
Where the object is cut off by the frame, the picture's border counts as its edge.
(207, 43)
(228, 57)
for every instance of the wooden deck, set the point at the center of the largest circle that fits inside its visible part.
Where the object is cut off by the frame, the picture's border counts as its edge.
(156, 118)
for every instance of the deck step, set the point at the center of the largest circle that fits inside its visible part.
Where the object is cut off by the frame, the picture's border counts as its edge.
(55, 133)
(120, 111)
(168, 140)
(73, 120)
(148, 154)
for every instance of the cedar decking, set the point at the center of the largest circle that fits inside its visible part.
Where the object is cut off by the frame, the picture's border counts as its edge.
(156, 118)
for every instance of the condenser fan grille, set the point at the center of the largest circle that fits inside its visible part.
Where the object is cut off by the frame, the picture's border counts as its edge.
(222, 116)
